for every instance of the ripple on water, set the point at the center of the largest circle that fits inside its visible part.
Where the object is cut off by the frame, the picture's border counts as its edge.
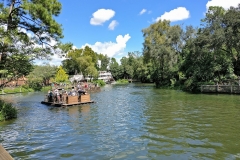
(126, 122)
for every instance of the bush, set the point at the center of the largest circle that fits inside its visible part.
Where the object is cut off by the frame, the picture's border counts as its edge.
(7, 111)
(35, 85)
(122, 81)
(99, 82)
(46, 88)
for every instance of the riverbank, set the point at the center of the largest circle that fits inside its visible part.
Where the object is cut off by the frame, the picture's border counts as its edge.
(14, 90)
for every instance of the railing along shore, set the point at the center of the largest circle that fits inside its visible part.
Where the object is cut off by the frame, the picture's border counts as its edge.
(233, 89)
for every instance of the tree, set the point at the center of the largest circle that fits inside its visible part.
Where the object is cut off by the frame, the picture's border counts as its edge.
(44, 73)
(71, 66)
(79, 60)
(232, 35)
(161, 48)
(207, 57)
(21, 18)
(84, 62)
(61, 75)
(92, 72)
(115, 69)
(87, 51)
(104, 62)
(16, 66)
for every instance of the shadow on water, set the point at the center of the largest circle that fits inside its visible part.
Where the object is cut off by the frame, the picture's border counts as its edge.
(131, 121)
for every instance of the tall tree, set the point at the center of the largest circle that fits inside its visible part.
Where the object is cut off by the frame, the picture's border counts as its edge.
(232, 35)
(61, 75)
(44, 72)
(104, 59)
(23, 17)
(115, 69)
(28, 29)
(161, 48)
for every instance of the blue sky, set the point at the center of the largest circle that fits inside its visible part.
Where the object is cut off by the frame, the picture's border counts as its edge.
(113, 27)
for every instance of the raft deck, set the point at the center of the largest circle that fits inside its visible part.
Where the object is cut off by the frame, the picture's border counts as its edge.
(65, 104)
(4, 155)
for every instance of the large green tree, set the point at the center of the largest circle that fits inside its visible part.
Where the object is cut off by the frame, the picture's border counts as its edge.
(209, 56)
(44, 73)
(27, 29)
(104, 59)
(78, 60)
(18, 18)
(161, 47)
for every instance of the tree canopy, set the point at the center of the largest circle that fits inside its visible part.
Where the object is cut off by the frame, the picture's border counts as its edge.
(28, 30)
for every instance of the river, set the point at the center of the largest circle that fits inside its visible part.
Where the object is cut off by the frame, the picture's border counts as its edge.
(133, 121)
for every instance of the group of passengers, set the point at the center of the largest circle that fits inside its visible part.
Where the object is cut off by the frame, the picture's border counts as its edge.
(56, 95)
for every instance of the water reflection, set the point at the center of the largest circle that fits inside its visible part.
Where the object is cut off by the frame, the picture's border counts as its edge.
(127, 122)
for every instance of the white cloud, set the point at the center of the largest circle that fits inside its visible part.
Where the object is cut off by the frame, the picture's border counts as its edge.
(101, 16)
(143, 11)
(74, 47)
(177, 14)
(111, 48)
(112, 25)
(226, 4)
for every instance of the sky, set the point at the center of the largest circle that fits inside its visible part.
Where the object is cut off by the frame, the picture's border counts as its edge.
(114, 27)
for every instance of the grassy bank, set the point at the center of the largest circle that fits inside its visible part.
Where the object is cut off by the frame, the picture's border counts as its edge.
(10, 90)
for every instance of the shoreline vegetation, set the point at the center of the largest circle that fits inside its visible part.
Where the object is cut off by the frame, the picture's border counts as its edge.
(7, 111)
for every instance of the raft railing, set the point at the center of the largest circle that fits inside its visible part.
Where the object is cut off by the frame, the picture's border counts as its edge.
(4, 155)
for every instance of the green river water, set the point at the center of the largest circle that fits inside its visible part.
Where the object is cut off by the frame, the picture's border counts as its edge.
(132, 121)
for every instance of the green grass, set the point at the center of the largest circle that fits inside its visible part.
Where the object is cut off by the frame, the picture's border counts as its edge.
(17, 90)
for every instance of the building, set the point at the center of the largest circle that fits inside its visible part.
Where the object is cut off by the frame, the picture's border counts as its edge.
(105, 76)
(102, 75)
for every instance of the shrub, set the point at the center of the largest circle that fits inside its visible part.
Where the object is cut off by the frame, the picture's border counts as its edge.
(35, 84)
(46, 88)
(99, 82)
(122, 81)
(7, 111)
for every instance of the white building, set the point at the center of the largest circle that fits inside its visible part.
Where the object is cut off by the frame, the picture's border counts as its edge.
(105, 76)
(102, 75)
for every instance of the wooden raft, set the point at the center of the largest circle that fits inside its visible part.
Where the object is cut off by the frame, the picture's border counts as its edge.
(75, 100)
(4, 155)
(71, 101)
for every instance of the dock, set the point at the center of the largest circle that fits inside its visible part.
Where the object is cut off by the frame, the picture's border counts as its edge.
(4, 155)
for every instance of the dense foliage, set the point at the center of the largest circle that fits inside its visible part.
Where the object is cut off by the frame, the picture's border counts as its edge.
(7, 111)
(27, 31)
(61, 75)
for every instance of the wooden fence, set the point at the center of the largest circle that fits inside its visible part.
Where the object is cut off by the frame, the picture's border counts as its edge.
(234, 89)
